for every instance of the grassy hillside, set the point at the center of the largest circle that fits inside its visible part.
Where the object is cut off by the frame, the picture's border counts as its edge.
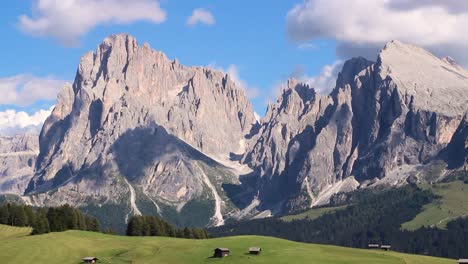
(312, 214)
(71, 246)
(452, 204)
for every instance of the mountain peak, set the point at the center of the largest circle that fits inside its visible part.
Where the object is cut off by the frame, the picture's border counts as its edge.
(435, 84)
(115, 38)
(449, 60)
(398, 48)
(122, 43)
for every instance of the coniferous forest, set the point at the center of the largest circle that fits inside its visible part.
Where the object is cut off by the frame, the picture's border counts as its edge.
(369, 218)
(58, 219)
(42, 220)
(155, 226)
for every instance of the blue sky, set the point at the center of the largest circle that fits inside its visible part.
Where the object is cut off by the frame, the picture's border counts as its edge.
(264, 42)
(254, 39)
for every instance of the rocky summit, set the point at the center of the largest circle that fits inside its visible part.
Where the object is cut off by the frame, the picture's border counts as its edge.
(138, 133)
(139, 130)
(383, 122)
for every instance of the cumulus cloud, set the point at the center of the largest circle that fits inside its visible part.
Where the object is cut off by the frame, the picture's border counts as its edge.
(325, 82)
(365, 26)
(233, 72)
(453, 6)
(201, 16)
(24, 90)
(67, 20)
(13, 122)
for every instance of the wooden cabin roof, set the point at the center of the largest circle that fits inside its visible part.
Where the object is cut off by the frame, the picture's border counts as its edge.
(89, 258)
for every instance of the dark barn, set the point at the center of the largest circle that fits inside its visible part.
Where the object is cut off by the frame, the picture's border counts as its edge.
(385, 247)
(221, 252)
(255, 250)
(373, 246)
(90, 260)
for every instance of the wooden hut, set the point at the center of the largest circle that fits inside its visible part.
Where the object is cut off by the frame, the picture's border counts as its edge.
(221, 252)
(255, 250)
(385, 247)
(90, 260)
(373, 246)
(463, 261)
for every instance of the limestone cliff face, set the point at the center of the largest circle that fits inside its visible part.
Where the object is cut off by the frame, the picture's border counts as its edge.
(400, 111)
(135, 120)
(17, 158)
(138, 133)
(456, 153)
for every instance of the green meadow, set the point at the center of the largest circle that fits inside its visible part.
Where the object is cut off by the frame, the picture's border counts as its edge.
(453, 203)
(16, 246)
(313, 213)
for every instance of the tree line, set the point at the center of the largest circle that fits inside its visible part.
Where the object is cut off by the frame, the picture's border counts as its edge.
(45, 220)
(65, 217)
(369, 218)
(155, 226)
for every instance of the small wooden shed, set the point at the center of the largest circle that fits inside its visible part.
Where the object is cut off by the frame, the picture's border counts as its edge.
(463, 261)
(221, 252)
(90, 260)
(255, 250)
(385, 247)
(373, 246)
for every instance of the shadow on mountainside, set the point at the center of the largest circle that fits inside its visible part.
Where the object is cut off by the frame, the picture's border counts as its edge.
(139, 148)
(143, 147)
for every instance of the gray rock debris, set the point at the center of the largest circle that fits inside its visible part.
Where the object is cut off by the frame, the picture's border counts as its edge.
(135, 124)
(17, 159)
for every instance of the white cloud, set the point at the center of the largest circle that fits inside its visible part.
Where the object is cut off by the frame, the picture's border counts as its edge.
(453, 6)
(12, 122)
(307, 46)
(360, 25)
(233, 72)
(201, 16)
(325, 82)
(23, 90)
(67, 20)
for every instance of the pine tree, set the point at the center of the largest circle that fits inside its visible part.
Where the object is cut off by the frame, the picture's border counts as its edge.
(145, 227)
(4, 214)
(94, 225)
(134, 226)
(30, 215)
(179, 233)
(187, 233)
(109, 231)
(168, 229)
(153, 225)
(17, 216)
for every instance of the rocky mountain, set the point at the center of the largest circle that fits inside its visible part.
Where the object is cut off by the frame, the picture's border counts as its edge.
(17, 158)
(385, 121)
(138, 133)
(140, 130)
